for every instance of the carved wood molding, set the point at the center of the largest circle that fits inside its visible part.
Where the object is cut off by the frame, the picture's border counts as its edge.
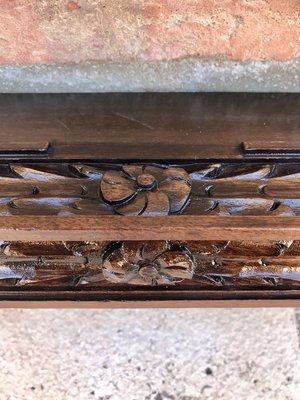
(150, 190)
(201, 264)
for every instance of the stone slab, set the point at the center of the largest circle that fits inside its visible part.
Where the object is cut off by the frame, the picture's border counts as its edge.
(195, 354)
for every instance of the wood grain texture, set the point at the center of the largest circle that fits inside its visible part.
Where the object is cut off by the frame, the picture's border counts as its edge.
(149, 126)
(180, 227)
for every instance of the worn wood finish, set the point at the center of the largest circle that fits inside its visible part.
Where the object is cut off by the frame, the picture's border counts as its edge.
(198, 265)
(161, 198)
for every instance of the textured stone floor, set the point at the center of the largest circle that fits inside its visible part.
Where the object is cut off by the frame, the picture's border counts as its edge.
(149, 354)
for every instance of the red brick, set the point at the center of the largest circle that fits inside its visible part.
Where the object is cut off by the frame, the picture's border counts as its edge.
(111, 30)
(73, 6)
(20, 39)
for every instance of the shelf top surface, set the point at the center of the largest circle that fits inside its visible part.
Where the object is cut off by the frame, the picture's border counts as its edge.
(149, 126)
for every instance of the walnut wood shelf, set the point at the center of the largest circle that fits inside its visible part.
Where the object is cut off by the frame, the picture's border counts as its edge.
(117, 200)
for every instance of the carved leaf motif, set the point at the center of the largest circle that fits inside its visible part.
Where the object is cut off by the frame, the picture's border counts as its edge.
(35, 174)
(133, 171)
(134, 207)
(116, 188)
(177, 192)
(147, 190)
(157, 204)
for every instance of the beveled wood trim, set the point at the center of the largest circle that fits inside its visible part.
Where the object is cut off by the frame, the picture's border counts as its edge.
(122, 299)
(265, 147)
(67, 304)
(179, 227)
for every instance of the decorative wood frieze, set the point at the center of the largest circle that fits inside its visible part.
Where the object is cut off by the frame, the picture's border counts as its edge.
(150, 190)
(199, 264)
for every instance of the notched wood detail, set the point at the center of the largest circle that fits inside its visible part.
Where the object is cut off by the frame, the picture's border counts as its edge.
(50, 263)
(246, 189)
(146, 190)
(247, 263)
(151, 263)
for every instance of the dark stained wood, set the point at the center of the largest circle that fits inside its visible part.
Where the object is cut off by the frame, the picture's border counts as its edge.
(173, 273)
(153, 126)
(219, 189)
(264, 147)
(206, 185)
(169, 264)
(170, 299)
(26, 149)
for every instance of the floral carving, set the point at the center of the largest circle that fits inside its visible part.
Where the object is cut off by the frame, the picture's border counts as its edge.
(151, 263)
(147, 190)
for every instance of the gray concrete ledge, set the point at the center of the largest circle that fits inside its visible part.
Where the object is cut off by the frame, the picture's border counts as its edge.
(181, 75)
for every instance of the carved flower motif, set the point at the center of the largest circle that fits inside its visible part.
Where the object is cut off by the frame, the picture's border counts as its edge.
(151, 263)
(146, 190)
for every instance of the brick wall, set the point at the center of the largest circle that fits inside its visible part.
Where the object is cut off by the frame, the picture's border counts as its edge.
(64, 32)
(114, 30)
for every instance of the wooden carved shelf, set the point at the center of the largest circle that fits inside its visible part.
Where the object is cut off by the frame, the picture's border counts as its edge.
(150, 199)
